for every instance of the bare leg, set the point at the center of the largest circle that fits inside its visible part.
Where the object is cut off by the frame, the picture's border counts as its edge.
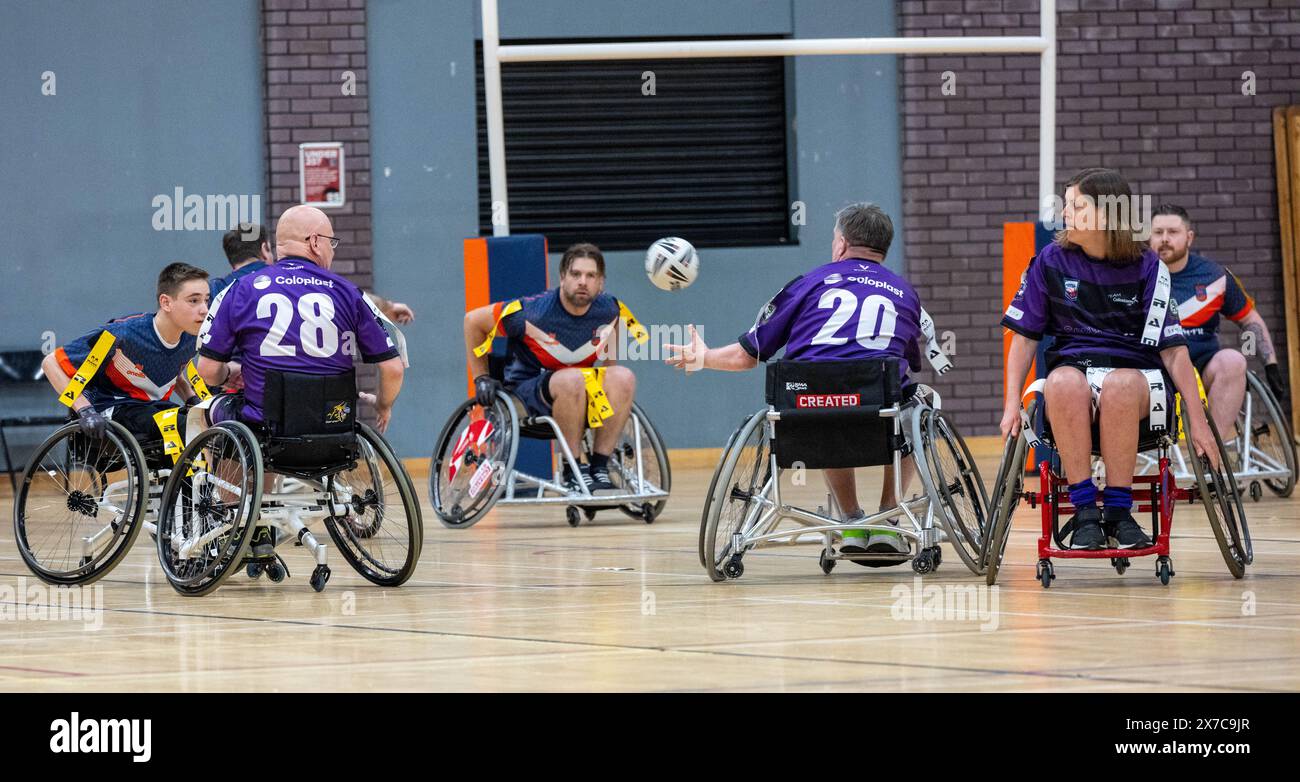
(844, 486)
(1225, 386)
(620, 387)
(1068, 397)
(1124, 403)
(887, 497)
(570, 406)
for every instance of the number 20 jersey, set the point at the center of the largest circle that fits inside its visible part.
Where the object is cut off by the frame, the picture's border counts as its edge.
(293, 316)
(847, 309)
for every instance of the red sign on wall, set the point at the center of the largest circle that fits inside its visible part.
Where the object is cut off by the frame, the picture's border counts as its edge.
(320, 174)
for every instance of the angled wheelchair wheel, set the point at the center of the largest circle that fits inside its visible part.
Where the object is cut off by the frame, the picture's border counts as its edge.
(209, 507)
(952, 480)
(1271, 443)
(1219, 494)
(656, 473)
(80, 504)
(1003, 500)
(383, 532)
(739, 487)
(472, 461)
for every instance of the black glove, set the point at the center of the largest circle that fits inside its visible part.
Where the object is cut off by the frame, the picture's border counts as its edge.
(91, 423)
(485, 390)
(193, 401)
(1277, 383)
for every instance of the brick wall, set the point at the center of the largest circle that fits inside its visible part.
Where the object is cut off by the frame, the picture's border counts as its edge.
(1150, 87)
(307, 46)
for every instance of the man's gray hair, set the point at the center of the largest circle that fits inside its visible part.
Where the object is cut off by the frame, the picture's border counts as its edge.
(865, 225)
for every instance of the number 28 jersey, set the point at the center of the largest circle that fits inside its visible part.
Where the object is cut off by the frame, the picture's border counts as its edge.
(293, 316)
(848, 309)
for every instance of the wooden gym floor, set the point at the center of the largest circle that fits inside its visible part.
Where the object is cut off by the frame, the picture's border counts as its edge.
(523, 602)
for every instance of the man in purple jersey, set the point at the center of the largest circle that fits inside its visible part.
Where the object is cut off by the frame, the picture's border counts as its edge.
(1107, 301)
(851, 308)
(296, 316)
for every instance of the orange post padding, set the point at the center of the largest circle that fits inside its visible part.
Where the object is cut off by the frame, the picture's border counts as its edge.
(1017, 251)
(476, 285)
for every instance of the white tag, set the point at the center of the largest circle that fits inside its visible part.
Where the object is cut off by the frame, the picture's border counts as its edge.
(1159, 306)
(1015, 313)
(938, 359)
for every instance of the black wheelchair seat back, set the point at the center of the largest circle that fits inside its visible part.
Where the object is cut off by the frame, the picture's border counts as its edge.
(830, 412)
(310, 420)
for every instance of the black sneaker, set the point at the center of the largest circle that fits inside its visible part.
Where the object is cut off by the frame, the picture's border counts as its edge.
(263, 542)
(600, 482)
(574, 483)
(1128, 534)
(1088, 534)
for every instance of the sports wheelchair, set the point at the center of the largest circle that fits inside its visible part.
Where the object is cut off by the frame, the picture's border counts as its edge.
(1262, 448)
(311, 460)
(1157, 495)
(834, 414)
(83, 501)
(473, 467)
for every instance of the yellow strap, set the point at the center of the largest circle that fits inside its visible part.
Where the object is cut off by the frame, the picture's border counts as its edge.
(634, 327)
(165, 420)
(87, 369)
(509, 309)
(196, 382)
(598, 406)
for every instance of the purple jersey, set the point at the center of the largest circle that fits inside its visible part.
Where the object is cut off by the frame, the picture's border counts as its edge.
(1097, 311)
(848, 309)
(294, 316)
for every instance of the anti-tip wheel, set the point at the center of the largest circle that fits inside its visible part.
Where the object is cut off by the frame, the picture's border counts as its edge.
(648, 513)
(254, 570)
(827, 564)
(319, 577)
(275, 571)
(923, 562)
(573, 515)
(734, 568)
(1256, 491)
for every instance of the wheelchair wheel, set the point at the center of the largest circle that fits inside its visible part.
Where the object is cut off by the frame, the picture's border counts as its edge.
(656, 472)
(208, 509)
(1222, 501)
(1007, 487)
(472, 461)
(742, 478)
(952, 479)
(1270, 435)
(80, 504)
(382, 536)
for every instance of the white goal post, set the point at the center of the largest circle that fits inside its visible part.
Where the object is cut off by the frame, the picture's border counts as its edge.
(494, 54)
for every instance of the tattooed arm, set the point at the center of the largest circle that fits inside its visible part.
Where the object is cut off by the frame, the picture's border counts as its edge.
(1254, 324)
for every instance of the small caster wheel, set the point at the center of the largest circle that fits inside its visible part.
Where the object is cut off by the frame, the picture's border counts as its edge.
(648, 513)
(923, 562)
(938, 557)
(1045, 573)
(734, 568)
(1164, 571)
(254, 570)
(827, 564)
(590, 513)
(1256, 491)
(573, 516)
(1121, 564)
(319, 577)
(275, 572)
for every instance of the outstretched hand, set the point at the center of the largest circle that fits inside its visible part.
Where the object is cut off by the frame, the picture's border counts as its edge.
(689, 357)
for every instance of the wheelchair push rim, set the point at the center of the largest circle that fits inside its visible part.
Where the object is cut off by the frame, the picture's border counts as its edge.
(623, 467)
(209, 507)
(1222, 501)
(743, 471)
(381, 545)
(493, 450)
(952, 480)
(1007, 488)
(1275, 432)
(66, 502)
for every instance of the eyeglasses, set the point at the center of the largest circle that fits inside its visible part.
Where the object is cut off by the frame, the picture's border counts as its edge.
(334, 242)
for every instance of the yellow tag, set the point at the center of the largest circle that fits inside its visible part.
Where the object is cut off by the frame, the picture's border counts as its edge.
(598, 406)
(634, 327)
(87, 369)
(509, 309)
(165, 420)
(1200, 387)
(196, 382)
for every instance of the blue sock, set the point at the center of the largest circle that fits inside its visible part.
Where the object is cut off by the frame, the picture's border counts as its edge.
(1120, 497)
(1083, 494)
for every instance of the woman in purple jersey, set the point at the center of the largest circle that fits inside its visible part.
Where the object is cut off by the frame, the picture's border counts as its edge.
(1105, 299)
